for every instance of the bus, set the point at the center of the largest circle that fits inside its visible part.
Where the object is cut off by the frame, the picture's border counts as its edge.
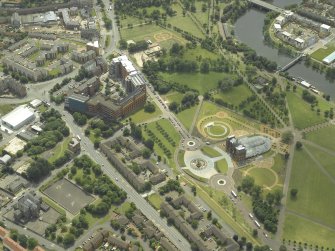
(234, 194)
(78, 137)
(251, 216)
(257, 224)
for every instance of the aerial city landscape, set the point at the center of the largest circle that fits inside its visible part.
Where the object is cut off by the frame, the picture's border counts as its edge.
(172, 125)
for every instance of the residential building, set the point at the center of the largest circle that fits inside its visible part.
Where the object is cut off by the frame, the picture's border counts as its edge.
(15, 20)
(74, 145)
(83, 57)
(12, 85)
(68, 22)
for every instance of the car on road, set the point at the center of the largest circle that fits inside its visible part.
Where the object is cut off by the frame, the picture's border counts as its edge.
(116, 179)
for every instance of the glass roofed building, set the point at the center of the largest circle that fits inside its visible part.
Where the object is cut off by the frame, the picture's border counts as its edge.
(247, 147)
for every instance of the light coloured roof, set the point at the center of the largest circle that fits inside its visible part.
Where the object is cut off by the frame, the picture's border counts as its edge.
(285, 33)
(305, 84)
(18, 115)
(330, 58)
(277, 26)
(35, 102)
(300, 40)
(325, 26)
(15, 145)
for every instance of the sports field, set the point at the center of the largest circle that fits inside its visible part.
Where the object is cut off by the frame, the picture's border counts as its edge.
(314, 198)
(322, 137)
(301, 112)
(321, 53)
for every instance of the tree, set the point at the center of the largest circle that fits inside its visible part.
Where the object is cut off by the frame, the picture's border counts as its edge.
(146, 153)
(282, 248)
(298, 145)
(294, 193)
(194, 190)
(174, 106)
(79, 118)
(96, 143)
(135, 131)
(32, 243)
(149, 143)
(126, 132)
(22, 239)
(68, 240)
(209, 215)
(149, 107)
(287, 137)
(123, 44)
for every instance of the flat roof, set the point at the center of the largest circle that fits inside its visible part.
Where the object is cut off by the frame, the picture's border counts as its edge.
(325, 26)
(18, 115)
(299, 40)
(330, 58)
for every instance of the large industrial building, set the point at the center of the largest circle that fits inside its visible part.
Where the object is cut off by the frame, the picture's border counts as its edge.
(114, 106)
(19, 117)
(247, 147)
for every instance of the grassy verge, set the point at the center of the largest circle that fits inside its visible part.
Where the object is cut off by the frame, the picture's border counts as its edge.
(181, 161)
(54, 205)
(221, 166)
(210, 152)
(155, 200)
(194, 176)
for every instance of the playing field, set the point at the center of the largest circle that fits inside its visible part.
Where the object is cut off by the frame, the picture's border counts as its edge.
(302, 230)
(322, 137)
(68, 195)
(314, 199)
(301, 112)
(321, 53)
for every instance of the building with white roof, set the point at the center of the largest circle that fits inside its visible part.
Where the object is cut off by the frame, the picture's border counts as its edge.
(305, 84)
(19, 117)
(329, 59)
(35, 103)
(324, 30)
(121, 67)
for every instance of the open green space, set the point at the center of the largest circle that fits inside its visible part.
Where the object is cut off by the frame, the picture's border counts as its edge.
(173, 96)
(151, 31)
(170, 130)
(155, 200)
(186, 116)
(129, 20)
(235, 95)
(314, 198)
(279, 167)
(325, 159)
(60, 149)
(6, 108)
(122, 208)
(208, 109)
(301, 112)
(198, 81)
(302, 230)
(263, 176)
(221, 166)
(321, 53)
(184, 22)
(210, 152)
(194, 176)
(201, 16)
(322, 137)
(181, 161)
(141, 116)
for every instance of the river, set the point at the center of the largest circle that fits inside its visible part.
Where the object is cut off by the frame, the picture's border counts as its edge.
(249, 30)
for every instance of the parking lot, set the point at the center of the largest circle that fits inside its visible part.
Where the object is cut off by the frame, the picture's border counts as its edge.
(69, 196)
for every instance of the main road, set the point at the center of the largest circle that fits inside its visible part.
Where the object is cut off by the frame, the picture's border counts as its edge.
(169, 231)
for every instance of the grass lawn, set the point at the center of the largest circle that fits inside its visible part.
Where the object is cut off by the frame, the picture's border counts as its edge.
(326, 160)
(125, 20)
(167, 126)
(186, 116)
(210, 152)
(149, 31)
(194, 176)
(321, 53)
(181, 161)
(173, 96)
(54, 205)
(301, 112)
(221, 166)
(301, 230)
(262, 176)
(123, 208)
(321, 137)
(6, 108)
(208, 109)
(155, 200)
(314, 198)
(198, 81)
(279, 167)
(199, 14)
(60, 149)
(235, 95)
(142, 116)
(184, 22)
(42, 108)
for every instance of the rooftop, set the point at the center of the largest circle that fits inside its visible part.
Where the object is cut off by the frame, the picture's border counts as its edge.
(19, 114)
